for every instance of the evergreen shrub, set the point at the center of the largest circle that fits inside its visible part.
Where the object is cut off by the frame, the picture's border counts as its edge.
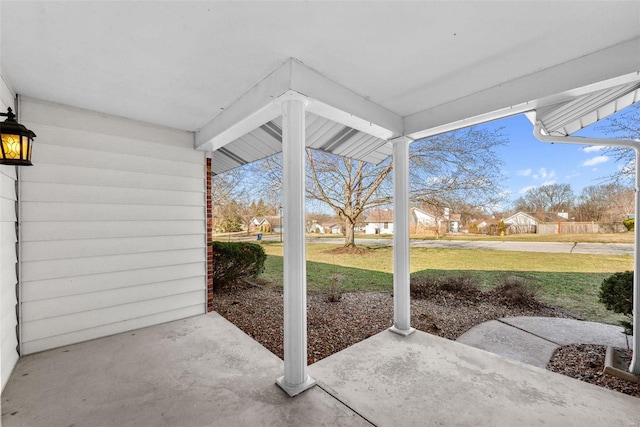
(616, 293)
(233, 261)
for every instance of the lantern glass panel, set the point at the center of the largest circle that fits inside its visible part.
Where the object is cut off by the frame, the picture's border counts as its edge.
(11, 146)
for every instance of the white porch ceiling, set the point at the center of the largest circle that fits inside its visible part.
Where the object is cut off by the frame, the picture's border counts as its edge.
(405, 68)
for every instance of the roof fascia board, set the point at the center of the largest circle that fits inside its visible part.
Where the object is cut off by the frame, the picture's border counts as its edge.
(252, 110)
(516, 96)
(332, 101)
(528, 107)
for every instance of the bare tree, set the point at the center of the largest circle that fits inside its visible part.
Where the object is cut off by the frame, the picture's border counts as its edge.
(607, 203)
(224, 189)
(347, 186)
(547, 198)
(625, 125)
(459, 165)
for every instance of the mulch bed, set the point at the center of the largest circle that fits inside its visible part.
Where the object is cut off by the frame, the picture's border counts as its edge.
(336, 325)
(585, 362)
(336, 322)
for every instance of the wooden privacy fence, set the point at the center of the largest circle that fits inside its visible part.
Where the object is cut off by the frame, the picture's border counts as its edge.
(568, 228)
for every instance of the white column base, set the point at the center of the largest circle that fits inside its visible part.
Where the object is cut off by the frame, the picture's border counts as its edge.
(295, 389)
(403, 332)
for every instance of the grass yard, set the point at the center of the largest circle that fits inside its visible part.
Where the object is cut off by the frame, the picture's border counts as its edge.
(570, 281)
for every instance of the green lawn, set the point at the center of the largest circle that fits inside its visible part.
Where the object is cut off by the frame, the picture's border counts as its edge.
(570, 281)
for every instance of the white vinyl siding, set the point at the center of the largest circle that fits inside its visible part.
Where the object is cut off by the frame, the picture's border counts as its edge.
(113, 227)
(8, 279)
(8, 257)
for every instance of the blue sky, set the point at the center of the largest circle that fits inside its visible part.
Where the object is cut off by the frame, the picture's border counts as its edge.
(530, 163)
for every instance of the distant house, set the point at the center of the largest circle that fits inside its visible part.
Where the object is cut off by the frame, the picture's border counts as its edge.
(265, 224)
(520, 223)
(379, 222)
(316, 227)
(276, 223)
(422, 218)
(335, 228)
(259, 223)
(486, 226)
(423, 222)
(420, 222)
(455, 225)
(326, 228)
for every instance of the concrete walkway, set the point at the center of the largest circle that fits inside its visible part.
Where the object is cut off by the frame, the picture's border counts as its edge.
(533, 340)
(203, 371)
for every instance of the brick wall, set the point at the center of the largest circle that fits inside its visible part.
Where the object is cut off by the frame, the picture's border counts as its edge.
(209, 240)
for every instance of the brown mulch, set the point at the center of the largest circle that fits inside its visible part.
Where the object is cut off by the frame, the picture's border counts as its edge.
(585, 362)
(355, 316)
(350, 250)
(334, 326)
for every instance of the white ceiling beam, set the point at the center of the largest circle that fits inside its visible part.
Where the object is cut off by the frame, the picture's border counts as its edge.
(325, 98)
(516, 96)
(252, 110)
(335, 102)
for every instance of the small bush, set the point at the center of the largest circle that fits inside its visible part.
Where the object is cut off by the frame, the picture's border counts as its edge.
(629, 223)
(333, 291)
(515, 291)
(463, 286)
(616, 293)
(425, 288)
(233, 261)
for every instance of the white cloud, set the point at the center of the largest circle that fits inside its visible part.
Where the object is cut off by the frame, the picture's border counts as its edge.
(593, 148)
(595, 161)
(548, 182)
(524, 172)
(543, 173)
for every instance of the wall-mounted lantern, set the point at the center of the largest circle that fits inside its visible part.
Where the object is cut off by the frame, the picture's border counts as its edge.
(17, 141)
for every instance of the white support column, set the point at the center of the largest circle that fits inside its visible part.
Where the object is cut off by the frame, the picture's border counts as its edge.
(295, 379)
(634, 367)
(401, 271)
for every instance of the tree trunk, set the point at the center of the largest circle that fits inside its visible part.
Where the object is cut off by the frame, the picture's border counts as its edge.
(349, 236)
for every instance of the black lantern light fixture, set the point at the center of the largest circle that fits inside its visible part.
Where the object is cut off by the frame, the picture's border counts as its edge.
(17, 141)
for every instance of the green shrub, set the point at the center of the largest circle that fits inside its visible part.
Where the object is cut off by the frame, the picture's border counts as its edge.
(233, 261)
(629, 223)
(616, 293)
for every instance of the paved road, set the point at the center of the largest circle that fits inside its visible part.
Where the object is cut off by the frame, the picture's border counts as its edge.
(549, 247)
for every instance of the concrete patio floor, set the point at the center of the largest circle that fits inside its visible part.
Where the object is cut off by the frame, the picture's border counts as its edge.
(203, 371)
